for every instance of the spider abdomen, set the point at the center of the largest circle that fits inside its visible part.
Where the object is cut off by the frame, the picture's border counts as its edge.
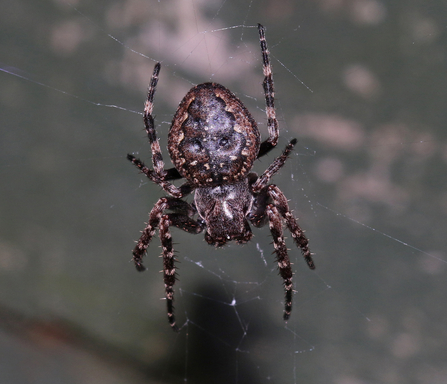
(213, 138)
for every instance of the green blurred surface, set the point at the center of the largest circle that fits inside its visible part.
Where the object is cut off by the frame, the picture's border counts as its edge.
(368, 181)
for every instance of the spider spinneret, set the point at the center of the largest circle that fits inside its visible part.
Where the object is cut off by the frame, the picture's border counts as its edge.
(213, 142)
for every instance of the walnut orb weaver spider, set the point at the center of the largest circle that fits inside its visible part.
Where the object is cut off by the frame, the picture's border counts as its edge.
(213, 142)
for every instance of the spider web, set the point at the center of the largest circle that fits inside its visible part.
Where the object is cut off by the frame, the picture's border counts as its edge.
(361, 84)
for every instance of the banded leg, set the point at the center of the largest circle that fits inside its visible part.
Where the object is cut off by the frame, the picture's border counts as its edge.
(269, 92)
(158, 175)
(258, 214)
(185, 222)
(168, 268)
(285, 268)
(277, 164)
(161, 181)
(157, 157)
(280, 202)
(169, 271)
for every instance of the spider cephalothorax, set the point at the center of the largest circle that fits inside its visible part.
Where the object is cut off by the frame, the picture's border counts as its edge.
(213, 143)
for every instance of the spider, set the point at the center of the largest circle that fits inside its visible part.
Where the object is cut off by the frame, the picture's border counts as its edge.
(213, 142)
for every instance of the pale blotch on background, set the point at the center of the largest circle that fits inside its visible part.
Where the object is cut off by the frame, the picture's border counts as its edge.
(425, 30)
(279, 10)
(369, 12)
(444, 152)
(329, 169)
(433, 263)
(393, 142)
(202, 48)
(424, 145)
(347, 379)
(356, 209)
(332, 130)
(65, 4)
(386, 145)
(361, 81)
(374, 187)
(331, 6)
(375, 183)
(361, 12)
(11, 258)
(405, 345)
(66, 37)
(378, 328)
(389, 141)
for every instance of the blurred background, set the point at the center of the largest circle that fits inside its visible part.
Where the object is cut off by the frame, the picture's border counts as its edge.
(362, 84)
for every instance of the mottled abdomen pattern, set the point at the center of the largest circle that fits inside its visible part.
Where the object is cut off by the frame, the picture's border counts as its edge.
(213, 138)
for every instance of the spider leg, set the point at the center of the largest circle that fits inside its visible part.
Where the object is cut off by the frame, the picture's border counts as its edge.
(280, 202)
(169, 271)
(272, 121)
(158, 175)
(264, 179)
(157, 157)
(172, 174)
(168, 267)
(258, 214)
(271, 203)
(285, 268)
(174, 191)
(177, 205)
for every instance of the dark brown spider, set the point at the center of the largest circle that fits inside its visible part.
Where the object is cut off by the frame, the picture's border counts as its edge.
(213, 143)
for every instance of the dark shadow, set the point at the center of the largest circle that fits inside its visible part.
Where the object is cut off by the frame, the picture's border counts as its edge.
(215, 347)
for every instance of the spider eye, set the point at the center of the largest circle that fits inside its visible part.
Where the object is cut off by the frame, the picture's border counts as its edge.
(223, 141)
(196, 144)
